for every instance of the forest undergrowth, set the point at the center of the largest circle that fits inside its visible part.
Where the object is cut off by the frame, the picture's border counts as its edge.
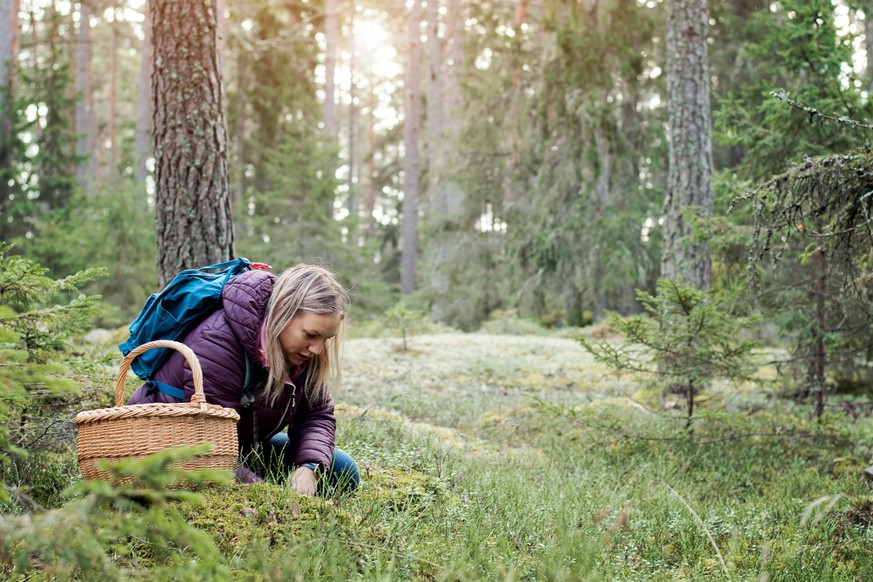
(499, 457)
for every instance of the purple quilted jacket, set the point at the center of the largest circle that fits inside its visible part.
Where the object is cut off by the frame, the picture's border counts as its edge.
(219, 342)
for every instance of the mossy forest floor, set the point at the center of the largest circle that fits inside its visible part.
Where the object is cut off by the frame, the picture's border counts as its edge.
(501, 457)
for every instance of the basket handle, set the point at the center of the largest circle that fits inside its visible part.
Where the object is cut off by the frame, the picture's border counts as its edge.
(193, 362)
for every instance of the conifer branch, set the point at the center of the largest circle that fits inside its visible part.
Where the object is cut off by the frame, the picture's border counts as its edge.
(813, 113)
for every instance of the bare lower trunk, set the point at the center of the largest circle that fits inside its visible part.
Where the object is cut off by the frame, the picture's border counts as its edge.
(819, 355)
(194, 224)
(690, 141)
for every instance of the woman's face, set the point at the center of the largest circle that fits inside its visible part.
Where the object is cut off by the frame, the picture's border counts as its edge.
(304, 337)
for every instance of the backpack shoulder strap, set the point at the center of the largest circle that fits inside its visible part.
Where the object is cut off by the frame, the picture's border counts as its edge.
(249, 383)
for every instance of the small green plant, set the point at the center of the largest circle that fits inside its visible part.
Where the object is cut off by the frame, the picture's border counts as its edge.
(37, 321)
(687, 337)
(404, 319)
(111, 529)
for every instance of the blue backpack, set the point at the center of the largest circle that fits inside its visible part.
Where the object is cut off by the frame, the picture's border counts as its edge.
(186, 300)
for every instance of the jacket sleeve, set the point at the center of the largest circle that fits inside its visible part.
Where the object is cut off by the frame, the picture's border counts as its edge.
(312, 432)
(221, 359)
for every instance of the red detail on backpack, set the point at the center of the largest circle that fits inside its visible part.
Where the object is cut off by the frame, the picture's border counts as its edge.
(261, 266)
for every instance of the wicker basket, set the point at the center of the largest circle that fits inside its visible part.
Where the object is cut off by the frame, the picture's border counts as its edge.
(126, 432)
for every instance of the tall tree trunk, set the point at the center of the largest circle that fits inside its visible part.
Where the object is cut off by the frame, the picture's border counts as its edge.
(690, 129)
(453, 104)
(221, 32)
(331, 36)
(509, 193)
(9, 43)
(113, 98)
(240, 128)
(352, 200)
(411, 129)
(815, 374)
(194, 223)
(370, 206)
(438, 211)
(86, 123)
(868, 39)
(142, 145)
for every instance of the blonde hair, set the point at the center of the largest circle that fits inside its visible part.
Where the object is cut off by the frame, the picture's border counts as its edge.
(301, 289)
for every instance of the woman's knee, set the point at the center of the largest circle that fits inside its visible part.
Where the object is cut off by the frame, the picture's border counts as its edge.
(344, 472)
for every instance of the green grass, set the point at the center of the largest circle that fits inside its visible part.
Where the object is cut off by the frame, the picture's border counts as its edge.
(491, 457)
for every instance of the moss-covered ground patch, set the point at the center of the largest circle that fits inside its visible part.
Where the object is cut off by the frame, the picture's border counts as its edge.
(499, 457)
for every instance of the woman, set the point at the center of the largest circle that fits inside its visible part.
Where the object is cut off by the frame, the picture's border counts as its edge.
(271, 352)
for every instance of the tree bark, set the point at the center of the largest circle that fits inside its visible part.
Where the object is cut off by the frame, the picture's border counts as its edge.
(113, 99)
(512, 136)
(690, 132)
(194, 223)
(411, 129)
(438, 211)
(142, 147)
(353, 118)
(370, 204)
(868, 39)
(9, 43)
(818, 363)
(86, 122)
(331, 36)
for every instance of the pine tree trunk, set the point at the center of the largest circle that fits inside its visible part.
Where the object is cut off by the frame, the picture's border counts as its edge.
(353, 195)
(9, 43)
(331, 37)
(453, 112)
(818, 363)
(868, 39)
(194, 223)
(690, 129)
(86, 123)
(240, 129)
(438, 211)
(509, 193)
(113, 99)
(142, 145)
(411, 129)
(370, 205)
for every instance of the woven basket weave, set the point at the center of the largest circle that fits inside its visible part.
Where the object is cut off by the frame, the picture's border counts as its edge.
(128, 432)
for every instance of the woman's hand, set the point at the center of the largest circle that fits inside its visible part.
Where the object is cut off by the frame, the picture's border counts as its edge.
(303, 480)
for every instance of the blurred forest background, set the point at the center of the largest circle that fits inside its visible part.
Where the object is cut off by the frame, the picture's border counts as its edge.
(664, 189)
(463, 159)
(467, 158)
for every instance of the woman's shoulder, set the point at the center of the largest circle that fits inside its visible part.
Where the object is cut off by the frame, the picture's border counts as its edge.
(249, 291)
(244, 301)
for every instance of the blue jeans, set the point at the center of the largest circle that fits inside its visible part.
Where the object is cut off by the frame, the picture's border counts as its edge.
(343, 474)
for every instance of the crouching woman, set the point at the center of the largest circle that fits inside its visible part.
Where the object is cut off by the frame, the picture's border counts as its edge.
(271, 352)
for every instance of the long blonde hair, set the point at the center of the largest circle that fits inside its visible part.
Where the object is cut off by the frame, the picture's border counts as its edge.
(305, 288)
